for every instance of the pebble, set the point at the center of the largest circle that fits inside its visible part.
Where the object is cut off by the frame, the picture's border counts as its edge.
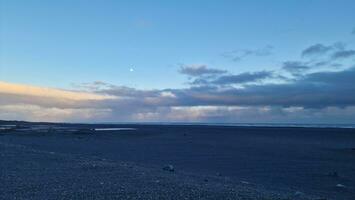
(169, 168)
(298, 194)
(245, 182)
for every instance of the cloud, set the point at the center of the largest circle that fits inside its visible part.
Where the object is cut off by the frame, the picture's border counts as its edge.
(321, 90)
(295, 67)
(222, 80)
(319, 56)
(15, 95)
(316, 49)
(30, 112)
(343, 54)
(246, 77)
(321, 49)
(18, 89)
(199, 70)
(256, 114)
(313, 90)
(238, 55)
(298, 99)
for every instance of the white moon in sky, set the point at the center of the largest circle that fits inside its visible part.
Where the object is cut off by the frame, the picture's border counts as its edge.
(131, 69)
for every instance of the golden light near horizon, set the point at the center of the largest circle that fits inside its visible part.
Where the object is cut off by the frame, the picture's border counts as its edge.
(21, 89)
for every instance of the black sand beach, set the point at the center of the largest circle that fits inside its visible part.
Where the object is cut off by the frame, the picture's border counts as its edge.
(207, 162)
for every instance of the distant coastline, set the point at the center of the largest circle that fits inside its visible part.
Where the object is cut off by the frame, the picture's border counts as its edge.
(271, 125)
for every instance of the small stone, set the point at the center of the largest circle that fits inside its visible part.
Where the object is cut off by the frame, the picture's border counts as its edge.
(169, 168)
(298, 194)
(245, 182)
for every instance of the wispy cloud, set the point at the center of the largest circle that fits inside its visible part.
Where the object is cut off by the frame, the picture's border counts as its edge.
(343, 54)
(246, 77)
(199, 70)
(319, 57)
(322, 49)
(237, 55)
(295, 67)
(316, 49)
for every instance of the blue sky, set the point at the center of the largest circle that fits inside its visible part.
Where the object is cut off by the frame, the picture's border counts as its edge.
(56, 43)
(63, 44)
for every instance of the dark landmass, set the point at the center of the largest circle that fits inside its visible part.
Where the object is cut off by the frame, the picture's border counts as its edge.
(81, 161)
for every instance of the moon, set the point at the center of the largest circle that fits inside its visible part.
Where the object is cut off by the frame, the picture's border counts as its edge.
(131, 69)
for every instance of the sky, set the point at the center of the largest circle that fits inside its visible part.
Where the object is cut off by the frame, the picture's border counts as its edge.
(252, 61)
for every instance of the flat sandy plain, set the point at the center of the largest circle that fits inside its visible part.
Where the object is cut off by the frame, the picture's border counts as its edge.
(72, 161)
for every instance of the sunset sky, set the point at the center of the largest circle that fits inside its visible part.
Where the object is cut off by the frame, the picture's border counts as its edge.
(232, 61)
